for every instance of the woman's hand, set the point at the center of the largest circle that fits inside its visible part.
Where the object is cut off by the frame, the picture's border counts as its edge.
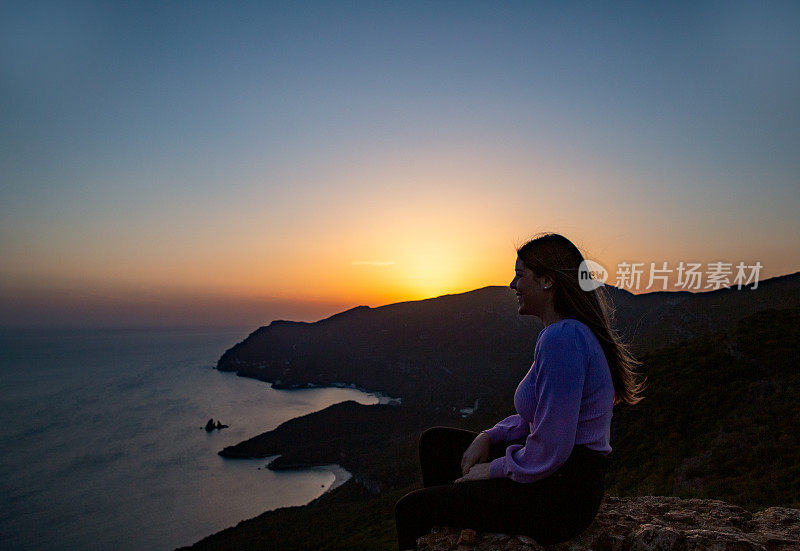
(477, 452)
(477, 472)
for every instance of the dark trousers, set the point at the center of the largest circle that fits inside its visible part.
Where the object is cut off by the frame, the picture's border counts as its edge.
(551, 510)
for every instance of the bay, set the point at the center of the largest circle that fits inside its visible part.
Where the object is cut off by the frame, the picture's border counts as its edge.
(103, 445)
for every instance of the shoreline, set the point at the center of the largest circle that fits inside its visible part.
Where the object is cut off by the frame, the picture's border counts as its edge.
(340, 476)
(383, 399)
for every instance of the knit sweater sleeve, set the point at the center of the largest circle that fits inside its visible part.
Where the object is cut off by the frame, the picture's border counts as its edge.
(561, 363)
(510, 428)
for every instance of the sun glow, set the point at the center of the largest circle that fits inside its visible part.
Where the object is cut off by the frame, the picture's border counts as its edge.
(430, 274)
(431, 268)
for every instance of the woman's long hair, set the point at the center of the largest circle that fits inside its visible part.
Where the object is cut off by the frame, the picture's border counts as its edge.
(557, 257)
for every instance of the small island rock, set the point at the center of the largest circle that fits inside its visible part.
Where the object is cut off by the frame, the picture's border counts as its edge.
(214, 426)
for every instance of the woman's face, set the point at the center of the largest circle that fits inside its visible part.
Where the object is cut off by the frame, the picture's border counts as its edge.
(531, 295)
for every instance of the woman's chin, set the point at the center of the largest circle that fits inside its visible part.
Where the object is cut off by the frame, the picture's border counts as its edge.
(523, 311)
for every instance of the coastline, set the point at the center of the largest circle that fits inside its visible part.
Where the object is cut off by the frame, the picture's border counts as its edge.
(383, 399)
(340, 475)
(154, 376)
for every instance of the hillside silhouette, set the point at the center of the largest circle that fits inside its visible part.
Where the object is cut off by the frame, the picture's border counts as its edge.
(448, 349)
(719, 419)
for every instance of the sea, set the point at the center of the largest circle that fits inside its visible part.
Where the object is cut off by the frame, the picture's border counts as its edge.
(103, 445)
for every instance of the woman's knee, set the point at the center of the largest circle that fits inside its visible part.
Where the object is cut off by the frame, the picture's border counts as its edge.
(407, 505)
(432, 436)
(439, 435)
(401, 506)
(432, 433)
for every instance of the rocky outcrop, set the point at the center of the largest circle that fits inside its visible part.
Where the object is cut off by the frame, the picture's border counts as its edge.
(212, 426)
(650, 524)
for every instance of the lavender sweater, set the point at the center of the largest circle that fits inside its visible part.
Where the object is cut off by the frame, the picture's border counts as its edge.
(565, 400)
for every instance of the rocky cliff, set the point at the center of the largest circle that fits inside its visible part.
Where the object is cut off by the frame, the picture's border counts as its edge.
(650, 524)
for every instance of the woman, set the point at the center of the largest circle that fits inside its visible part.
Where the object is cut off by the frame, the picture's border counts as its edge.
(540, 472)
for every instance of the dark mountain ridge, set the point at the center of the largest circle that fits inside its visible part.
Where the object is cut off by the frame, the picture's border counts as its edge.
(399, 349)
(450, 346)
(441, 355)
(719, 421)
(662, 318)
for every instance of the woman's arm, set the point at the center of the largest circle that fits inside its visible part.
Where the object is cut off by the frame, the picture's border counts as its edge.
(477, 452)
(561, 362)
(510, 428)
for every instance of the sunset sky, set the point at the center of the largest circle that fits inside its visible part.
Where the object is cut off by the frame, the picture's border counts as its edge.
(234, 163)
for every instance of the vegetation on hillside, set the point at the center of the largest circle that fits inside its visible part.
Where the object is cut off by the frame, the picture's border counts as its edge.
(720, 420)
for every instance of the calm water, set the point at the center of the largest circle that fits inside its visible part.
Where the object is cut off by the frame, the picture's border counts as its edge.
(102, 444)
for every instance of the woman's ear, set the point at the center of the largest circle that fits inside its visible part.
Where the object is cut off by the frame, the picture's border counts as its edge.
(546, 282)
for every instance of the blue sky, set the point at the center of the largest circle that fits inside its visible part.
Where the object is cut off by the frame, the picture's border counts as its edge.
(218, 152)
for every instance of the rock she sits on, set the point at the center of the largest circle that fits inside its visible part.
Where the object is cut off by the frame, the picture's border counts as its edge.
(649, 523)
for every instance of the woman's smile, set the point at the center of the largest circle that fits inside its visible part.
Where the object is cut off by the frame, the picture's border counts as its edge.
(527, 288)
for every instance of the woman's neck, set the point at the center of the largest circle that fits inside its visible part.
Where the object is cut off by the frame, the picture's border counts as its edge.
(550, 317)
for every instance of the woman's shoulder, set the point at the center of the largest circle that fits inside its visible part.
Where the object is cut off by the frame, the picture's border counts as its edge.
(564, 327)
(560, 333)
(566, 332)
